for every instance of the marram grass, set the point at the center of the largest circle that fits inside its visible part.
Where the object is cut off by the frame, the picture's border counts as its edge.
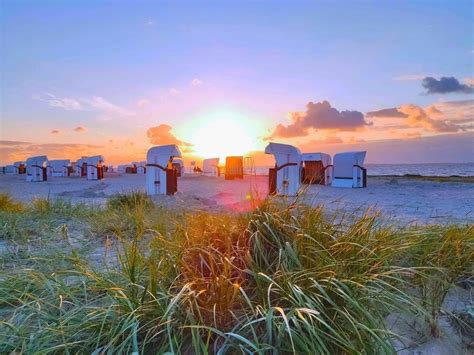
(135, 278)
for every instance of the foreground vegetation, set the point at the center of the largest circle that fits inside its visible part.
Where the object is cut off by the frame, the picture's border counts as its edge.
(135, 278)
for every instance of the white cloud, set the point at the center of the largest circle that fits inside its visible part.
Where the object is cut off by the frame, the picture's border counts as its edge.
(174, 91)
(101, 104)
(196, 82)
(150, 23)
(65, 103)
(96, 103)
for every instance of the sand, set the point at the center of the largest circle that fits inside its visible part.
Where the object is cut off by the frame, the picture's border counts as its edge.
(400, 199)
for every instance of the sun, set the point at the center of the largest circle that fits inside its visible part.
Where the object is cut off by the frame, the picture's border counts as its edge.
(223, 134)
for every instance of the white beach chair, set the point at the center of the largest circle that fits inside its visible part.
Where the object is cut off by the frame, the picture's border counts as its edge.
(161, 177)
(140, 167)
(81, 167)
(211, 167)
(349, 170)
(58, 168)
(20, 167)
(95, 167)
(285, 177)
(36, 168)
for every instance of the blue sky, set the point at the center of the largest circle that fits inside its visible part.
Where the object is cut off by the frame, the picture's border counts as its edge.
(130, 66)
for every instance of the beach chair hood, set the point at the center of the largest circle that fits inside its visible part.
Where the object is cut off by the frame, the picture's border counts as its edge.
(40, 160)
(162, 154)
(284, 153)
(94, 160)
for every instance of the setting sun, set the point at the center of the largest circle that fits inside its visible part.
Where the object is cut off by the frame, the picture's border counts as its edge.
(223, 134)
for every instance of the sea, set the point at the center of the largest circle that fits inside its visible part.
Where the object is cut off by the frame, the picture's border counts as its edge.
(438, 169)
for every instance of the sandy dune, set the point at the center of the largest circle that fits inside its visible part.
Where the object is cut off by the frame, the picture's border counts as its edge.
(401, 199)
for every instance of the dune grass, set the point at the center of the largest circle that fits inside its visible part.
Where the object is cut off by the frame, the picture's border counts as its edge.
(276, 280)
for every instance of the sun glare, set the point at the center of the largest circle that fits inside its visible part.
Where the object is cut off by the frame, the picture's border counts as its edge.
(223, 136)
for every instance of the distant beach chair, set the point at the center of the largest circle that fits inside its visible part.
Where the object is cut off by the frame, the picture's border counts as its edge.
(161, 177)
(81, 167)
(58, 167)
(20, 167)
(36, 168)
(10, 169)
(284, 179)
(316, 168)
(211, 167)
(234, 167)
(140, 167)
(95, 167)
(349, 170)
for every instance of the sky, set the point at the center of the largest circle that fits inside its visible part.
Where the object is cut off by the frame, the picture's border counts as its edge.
(80, 78)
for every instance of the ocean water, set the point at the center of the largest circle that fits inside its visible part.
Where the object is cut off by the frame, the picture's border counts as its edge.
(440, 169)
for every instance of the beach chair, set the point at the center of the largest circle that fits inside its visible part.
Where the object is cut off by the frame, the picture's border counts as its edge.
(20, 167)
(348, 170)
(161, 177)
(234, 168)
(36, 168)
(211, 167)
(95, 167)
(284, 179)
(58, 168)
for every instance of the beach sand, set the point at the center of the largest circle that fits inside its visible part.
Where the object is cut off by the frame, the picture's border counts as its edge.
(400, 199)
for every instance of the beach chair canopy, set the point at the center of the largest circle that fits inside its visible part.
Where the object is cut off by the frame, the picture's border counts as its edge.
(96, 159)
(18, 163)
(40, 160)
(322, 157)
(344, 163)
(162, 154)
(139, 163)
(284, 153)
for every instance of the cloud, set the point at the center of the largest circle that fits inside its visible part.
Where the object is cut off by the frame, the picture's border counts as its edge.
(161, 135)
(65, 103)
(196, 82)
(14, 150)
(331, 140)
(174, 91)
(417, 117)
(55, 131)
(387, 112)
(80, 129)
(445, 85)
(143, 103)
(319, 116)
(469, 81)
(101, 104)
(409, 77)
(95, 103)
(150, 23)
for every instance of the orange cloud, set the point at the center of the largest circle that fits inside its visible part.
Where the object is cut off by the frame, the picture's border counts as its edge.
(55, 131)
(11, 151)
(417, 117)
(161, 135)
(80, 129)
